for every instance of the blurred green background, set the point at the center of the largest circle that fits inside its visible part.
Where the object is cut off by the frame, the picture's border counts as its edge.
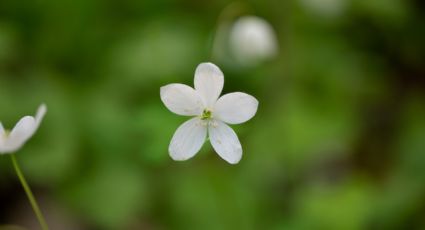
(338, 141)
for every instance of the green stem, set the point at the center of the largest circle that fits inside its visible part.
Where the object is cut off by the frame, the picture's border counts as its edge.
(27, 189)
(229, 13)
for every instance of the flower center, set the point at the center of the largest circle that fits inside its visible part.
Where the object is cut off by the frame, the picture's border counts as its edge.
(206, 114)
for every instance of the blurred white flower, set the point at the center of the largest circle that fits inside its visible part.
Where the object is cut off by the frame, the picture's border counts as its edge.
(12, 141)
(211, 115)
(253, 39)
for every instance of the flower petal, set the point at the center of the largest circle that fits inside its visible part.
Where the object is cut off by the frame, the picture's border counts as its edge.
(41, 111)
(235, 108)
(1, 130)
(225, 142)
(181, 99)
(22, 131)
(209, 81)
(188, 139)
(2, 138)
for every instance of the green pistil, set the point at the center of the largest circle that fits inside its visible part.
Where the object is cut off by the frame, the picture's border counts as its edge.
(206, 114)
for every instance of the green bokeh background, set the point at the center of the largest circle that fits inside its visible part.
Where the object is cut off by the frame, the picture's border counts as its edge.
(338, 141)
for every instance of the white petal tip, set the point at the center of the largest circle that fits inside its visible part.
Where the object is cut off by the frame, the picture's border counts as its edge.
(162, 90)
(177, 157)
(206, 67)
(234, 159)
(42, 108)
(41, 111)
(234, 162)
(210, 64)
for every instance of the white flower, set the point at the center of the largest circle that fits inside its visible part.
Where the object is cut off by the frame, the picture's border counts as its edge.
(211, 115)
(253, 39)
(12, 141)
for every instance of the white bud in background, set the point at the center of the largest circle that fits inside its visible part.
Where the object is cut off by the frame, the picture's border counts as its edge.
(252, 40)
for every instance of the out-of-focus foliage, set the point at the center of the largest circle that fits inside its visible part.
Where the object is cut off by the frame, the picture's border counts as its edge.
(338, 141)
